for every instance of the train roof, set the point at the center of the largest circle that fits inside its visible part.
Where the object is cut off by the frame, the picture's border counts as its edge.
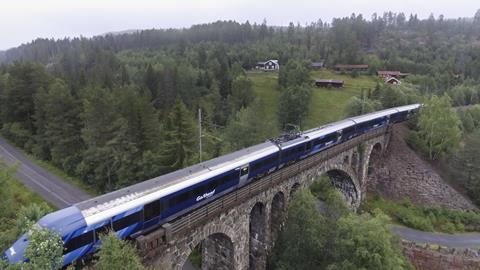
(328, 129)
(171, 182)
(287, 144)
(373, 115)
(408, 107)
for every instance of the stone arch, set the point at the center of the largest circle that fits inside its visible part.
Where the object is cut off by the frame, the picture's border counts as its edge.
(257, 232)
(347, 184)
(277, 215)
(216, 251)
(294, 189)
(374, 157)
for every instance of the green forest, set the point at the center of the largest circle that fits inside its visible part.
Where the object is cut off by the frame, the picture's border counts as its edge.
(114, 110)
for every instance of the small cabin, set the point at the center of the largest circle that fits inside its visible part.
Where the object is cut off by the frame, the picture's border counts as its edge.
(392, 80)
(270, 65)
(351, 68)
(385, 74)
(329, 83)
(318, 65)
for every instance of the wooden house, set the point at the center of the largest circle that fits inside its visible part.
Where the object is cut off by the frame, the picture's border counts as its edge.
(392, 80)
(385, 74)
(329, 83)
(318, 65)
(270, 65)
(351, 68)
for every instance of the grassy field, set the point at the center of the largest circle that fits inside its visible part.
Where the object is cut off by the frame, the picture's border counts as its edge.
(266, 89)
(326, 105)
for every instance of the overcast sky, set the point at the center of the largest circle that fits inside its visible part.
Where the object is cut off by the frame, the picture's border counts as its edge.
(24, 20)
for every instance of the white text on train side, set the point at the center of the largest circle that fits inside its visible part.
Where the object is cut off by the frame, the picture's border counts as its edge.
(206, 195)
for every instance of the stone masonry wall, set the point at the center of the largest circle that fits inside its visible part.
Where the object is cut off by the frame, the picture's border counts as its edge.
(428, 258)
(403, 174)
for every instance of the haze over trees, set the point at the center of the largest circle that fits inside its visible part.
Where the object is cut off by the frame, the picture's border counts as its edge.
(105, 109)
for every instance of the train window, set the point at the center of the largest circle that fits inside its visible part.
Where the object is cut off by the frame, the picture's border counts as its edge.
(211, 186)
(203, 189)
(244, 171)
(102, 230)
(309, 146)
(183, 197)
(151, 210)
(164, 206)
(223, 180)
(78, 242)
(127, 221)
(257, 166)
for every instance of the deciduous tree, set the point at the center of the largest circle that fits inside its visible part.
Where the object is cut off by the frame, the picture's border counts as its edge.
(439, 127)
(117, 254)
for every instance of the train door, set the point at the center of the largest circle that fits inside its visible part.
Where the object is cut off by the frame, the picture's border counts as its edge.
(244, 170)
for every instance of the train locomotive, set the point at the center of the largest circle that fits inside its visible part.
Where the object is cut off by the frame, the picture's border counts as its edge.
(142, 207)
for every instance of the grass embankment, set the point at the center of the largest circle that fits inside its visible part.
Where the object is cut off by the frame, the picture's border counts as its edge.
(430, 219)
(19, 206)
(326, 105)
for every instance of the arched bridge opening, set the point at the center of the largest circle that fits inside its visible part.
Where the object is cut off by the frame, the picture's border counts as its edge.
(345, 184)
(375, 158)
(214, 252)
(277, 215)
(257, 229)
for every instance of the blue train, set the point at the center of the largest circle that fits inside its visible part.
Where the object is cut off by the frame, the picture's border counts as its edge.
(140, 208)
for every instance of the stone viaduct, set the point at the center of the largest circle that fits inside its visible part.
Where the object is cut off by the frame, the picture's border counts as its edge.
(238, 230)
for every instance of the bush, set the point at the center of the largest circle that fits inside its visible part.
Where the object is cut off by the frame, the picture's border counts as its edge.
(16, 133)
(426, 218)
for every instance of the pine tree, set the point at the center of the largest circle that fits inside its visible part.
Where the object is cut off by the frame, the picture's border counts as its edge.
(24, 81)
(178, 147)
(57, 117)
(476, 18)
(142, 119)
(293, 107)
(242, 93)
(151, 81)
(108, 161)
(125, 78)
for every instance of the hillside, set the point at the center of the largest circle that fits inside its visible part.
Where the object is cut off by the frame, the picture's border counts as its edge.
(326, 105)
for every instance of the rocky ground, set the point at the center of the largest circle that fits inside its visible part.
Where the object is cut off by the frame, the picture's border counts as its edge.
(401, 173)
